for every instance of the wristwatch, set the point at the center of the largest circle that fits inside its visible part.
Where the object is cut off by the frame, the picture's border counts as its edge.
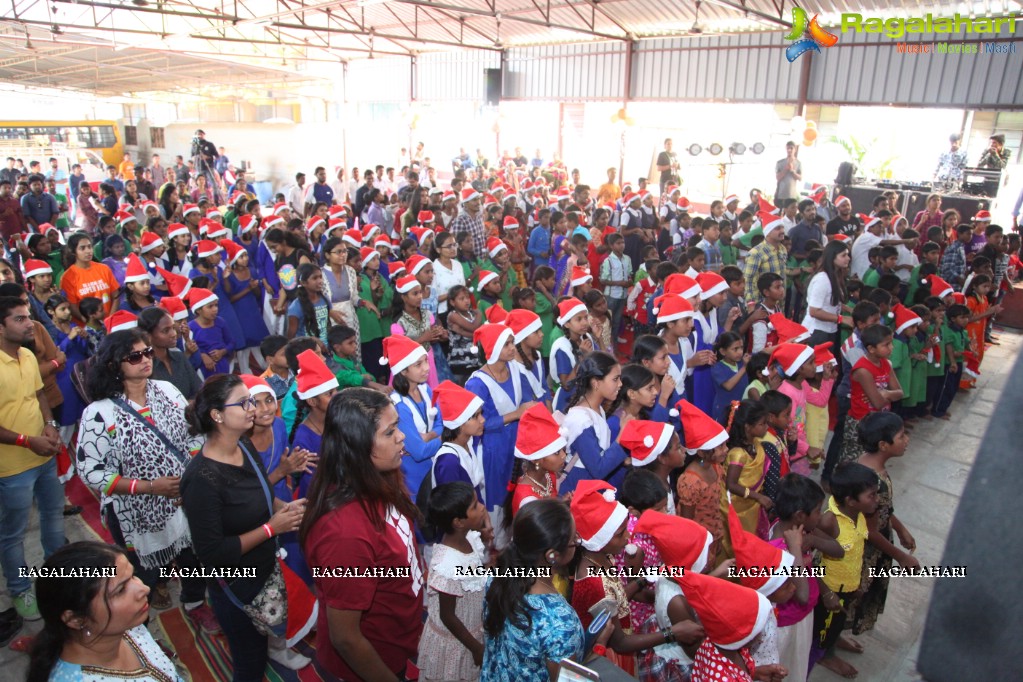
(54, 423)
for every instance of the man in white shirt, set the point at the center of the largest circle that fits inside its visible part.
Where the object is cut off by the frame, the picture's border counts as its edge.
(353, 184)
(339, 186)
(296, 196)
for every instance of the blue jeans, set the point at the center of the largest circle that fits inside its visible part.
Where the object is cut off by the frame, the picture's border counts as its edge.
(16, 495)
(616, 307)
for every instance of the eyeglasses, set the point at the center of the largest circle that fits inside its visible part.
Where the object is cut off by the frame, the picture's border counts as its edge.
(247, 404)
(135, 357)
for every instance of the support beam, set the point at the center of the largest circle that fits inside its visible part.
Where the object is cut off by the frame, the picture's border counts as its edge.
(152, 10)
(382, 36)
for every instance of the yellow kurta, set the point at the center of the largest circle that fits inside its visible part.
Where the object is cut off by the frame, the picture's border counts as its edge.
(751, 476)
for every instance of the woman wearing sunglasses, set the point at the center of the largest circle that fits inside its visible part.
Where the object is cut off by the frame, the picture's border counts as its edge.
(133, 445)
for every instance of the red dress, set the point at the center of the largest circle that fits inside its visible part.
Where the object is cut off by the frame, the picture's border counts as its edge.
(588, 591)
(710, 665)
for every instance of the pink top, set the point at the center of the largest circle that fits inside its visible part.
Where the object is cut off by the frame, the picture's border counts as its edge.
(792, 612)
(800, 397)
(651, 558)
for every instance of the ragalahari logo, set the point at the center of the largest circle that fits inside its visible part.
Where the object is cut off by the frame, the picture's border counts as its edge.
(815, 36)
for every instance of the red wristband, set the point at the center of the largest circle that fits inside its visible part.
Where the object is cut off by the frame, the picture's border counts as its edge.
(132, 486)
(599, 649)
(21, 441)
(269, 531)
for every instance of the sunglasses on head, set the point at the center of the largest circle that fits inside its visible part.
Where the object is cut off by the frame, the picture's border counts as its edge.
(135, 357)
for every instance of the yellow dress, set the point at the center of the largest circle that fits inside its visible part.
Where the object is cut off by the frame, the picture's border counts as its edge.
(843, 575)
(751, 476)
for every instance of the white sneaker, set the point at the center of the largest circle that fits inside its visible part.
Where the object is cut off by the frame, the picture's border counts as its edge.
(292, 660)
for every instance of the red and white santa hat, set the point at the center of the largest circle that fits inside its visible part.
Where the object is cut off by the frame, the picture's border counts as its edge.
(971, 365)
(257, 385)
(700, 431)
(425, 217)
(523, 322)
(731, 614)
(35, 267)
(314, 377)
(761, 559)
(406, 284)
(939, 287)
(135, 270)
(124, 217)
(120, 321)
(214, 211)
(564, 192)
(369, 231)
(489, 200)
(492, 337)
(401, 352)
(982, 217)
(645, 440)
(382, 242)
(671, 307)
(149, 203)
(394, 267)
(869, 221)
(421, 234)
(486, 277)
(335, 224)
(204, 226)
(787, 329)
(175, 230)
(177, 285)
(447, 195)
(839, 237)
(367, 253)
(174, 307)
(314, 222)
(247, 223)
(416, 262)
(630, 197)
(730, 198)
(775, 223)
(468, 194)
(681, 542)
(683, 205)
(511, 223)
(205, 248)
(671, 190)
(822, 356)
(842, 199)
(217, 230)
(197, 298)
(539, 435)
(580, 276)
(279, 207)
(711, 284)
(598, 515)
(904, 317)
(496, 314)
(336, 211)
(456, 404)
(683, 285)
(791, 356)
(569, 308)
(352, 237)
(150, 241)
(189, 208)
(495, 246)
(233, 249)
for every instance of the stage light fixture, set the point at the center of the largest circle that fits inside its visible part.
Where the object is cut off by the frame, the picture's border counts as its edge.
(695, 149)
(737, 149)
(758, 148)
(715, 149)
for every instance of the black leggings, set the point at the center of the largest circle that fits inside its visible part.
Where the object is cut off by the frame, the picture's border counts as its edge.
(249, 648)
(192, 589)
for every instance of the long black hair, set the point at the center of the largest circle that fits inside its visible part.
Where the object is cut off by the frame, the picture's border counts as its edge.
(539, 527)
(832, 250)
(67, 257)
(303, 273)
(646, 347)
(59, 595)
(634, 377)
(746, 413)
(212, 395)
(596, 365)
(105, 379)
(346, 472)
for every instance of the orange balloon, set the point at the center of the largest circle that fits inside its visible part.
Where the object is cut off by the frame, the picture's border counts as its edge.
(809, 135)
(807, 143)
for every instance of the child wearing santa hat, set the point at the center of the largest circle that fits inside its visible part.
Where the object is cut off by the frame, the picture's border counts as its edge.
(566, 350)
(699, 486)
(713, 292)
(210, 332)
(506, 396)
(136, 293)
(675, 322)
(797, 365)
(539, 458)
(245, 293)
(415, 322)
(207, 261)
(528, 330)
(602, 525)
(418, 417)
(315, 385)
(591, 452)
(460, 457)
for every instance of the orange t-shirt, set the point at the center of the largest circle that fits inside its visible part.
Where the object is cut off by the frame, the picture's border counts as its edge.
(98, 281)
(127, 170)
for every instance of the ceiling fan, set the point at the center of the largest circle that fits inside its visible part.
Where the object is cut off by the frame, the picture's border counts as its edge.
(695, 29)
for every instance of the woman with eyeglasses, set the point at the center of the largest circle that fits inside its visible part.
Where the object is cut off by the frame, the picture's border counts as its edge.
(341, 285)
(228, 498)
(447, 271)
(133, 445)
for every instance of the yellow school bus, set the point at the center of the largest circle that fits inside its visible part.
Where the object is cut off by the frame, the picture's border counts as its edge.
(100, 137)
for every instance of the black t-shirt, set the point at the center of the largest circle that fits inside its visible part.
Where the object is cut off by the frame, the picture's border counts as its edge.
(666, 159)
(847, 227)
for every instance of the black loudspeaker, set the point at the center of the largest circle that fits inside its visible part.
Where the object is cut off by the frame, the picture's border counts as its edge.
(492, 77)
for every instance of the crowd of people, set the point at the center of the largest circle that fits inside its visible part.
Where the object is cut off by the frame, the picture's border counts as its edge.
(348, 403)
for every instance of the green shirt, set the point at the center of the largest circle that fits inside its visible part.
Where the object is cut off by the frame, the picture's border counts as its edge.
(957, 338)
(729, 255)
(871, 277)
(917, 391)
(372, 327)
(545, 310)
(936, 369)
(349, 373)
(902, 366)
